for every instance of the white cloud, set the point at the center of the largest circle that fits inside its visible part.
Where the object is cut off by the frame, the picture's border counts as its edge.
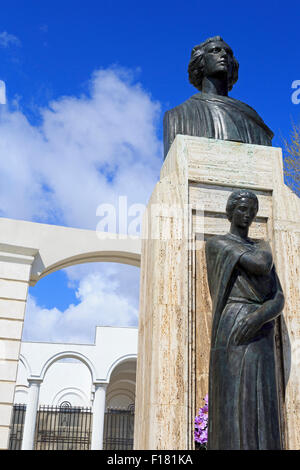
(127, 277)
(7, 39)
(87, 150)
(2, 92)
(100, 303)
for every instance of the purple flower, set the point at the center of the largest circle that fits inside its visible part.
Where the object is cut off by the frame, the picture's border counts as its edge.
(201, 421)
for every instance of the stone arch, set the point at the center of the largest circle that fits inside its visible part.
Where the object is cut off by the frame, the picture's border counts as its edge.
(116, 394)
(60, 247)
(91, 257)
(60, 396)
(69, 354)
(120, 391)
(120, 360)
(26, 364)
(121, 384)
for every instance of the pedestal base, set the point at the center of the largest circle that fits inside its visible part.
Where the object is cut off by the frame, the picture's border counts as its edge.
(186, 207)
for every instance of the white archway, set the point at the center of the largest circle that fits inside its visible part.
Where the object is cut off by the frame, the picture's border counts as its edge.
(122, 381)
(120, 360)
(30, 251)
(25, 363)
(54, 247)
(65, 393)
(69, 354)
(100, 362)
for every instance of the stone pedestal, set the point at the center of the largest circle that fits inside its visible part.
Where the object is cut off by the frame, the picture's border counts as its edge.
(188, 206)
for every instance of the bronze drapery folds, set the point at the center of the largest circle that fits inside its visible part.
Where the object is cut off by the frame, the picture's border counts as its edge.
(246, 297)
(213, 70)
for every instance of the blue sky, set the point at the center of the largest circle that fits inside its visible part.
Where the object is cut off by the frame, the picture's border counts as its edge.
(62, 43)
(81, 78)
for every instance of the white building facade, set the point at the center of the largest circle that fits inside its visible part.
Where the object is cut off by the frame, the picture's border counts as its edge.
(99, 376)
(30, 251)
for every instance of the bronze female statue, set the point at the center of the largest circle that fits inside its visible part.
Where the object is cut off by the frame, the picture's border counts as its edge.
(213, 70)
(246, 297)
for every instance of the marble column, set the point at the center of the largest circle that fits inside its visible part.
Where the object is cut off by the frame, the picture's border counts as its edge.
(98, 416)
(31, 414)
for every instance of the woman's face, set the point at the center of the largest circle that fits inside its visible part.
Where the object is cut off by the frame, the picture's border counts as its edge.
(244, 213)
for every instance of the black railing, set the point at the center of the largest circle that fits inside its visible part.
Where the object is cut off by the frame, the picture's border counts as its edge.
(63, 428)
(118, 429)
(69, 428)
(17, 425)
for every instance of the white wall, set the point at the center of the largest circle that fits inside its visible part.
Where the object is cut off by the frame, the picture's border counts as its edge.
(112, 356)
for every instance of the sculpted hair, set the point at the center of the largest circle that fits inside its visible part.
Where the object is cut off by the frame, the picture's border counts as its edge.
(196, 65)
(235, 197)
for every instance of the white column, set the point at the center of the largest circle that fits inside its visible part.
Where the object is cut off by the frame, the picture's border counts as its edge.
(98, 416)
(31, 413)
(15, 268)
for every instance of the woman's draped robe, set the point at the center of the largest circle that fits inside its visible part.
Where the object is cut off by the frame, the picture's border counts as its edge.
(243, 403)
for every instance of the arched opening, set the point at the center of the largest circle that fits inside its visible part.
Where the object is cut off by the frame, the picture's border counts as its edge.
(67, 305)
(67, 378)
(121, 388)
(119, 408)
(64, 416)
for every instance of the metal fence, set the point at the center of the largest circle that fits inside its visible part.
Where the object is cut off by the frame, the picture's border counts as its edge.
(63, 428)
(69, 428)
(17, 425)
(118, 429)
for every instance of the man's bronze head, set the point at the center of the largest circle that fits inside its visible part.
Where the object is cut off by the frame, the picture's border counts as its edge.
(212, 57)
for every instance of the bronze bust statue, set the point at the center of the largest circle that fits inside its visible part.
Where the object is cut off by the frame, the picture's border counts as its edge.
(247, 297)
(213, 70)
